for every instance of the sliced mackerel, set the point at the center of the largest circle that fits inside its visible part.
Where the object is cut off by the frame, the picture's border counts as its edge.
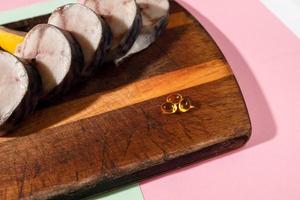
(20, 87)
(124, 19)
(155, 15)
(90, 30)
(56, 55)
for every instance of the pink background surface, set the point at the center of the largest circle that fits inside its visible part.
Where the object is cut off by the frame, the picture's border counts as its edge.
(265, 56)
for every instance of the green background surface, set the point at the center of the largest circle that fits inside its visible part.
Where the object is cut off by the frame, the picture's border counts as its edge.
(31, 11)
(131, 192)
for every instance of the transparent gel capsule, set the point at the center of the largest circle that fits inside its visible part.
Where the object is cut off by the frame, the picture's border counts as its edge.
(169, 108)
(185, 105)
(174, 98)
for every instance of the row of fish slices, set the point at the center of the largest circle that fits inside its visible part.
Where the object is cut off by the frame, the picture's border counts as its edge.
(61, 60)
(94, 37)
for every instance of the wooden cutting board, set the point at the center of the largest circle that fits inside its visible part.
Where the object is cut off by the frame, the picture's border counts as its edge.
(110, 131)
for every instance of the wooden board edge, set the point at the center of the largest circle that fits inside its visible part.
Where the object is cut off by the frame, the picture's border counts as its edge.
(94, 186)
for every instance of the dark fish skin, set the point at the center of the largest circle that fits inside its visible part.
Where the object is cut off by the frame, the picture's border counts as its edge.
(28, 103)
(73, 76)
(128, 40)
(102, 50)
(101, 53)
(159, 29)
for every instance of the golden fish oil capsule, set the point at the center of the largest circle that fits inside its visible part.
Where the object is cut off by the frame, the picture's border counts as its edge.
(174, 98)
(169, 108)
(185, 105)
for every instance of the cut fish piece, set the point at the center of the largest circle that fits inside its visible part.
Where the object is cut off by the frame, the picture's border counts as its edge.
(155, 15)
(56, 55)
(89, 29)
(20, 86)
(124, 19)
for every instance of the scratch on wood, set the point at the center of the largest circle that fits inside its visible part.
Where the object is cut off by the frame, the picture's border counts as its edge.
(77, 175)
(186, 131)
(128, 142)
(21, 181)
(37, 168)
(150, 121)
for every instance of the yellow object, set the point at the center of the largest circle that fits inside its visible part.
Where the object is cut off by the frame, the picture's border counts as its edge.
(176, 103)
(185, 105)
(174, 98)
(10, 39)
(169, 108)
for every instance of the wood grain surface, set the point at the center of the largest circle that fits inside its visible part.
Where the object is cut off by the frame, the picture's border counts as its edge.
(110, 131)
